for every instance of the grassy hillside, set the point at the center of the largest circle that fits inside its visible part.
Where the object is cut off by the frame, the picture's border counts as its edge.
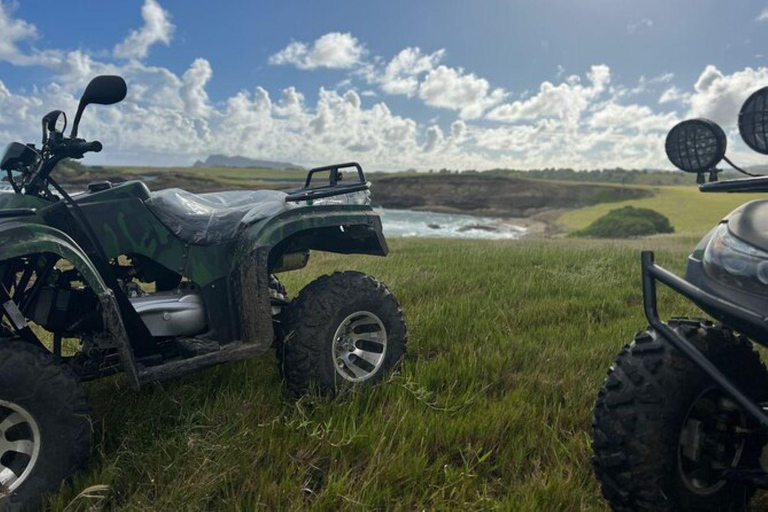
(690, 211)
(617, 176)
(509, 342)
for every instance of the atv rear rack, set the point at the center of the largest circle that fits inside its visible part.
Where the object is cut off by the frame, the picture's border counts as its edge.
(334, 186)
(748, 322)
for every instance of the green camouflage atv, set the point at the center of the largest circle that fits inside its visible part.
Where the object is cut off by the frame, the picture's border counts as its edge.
(79, 266)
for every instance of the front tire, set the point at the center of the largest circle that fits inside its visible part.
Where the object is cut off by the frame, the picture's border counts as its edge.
(663, 431)
(343, 329)
(45, 430)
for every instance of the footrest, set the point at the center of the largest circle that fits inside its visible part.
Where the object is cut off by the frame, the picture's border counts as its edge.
(192, 347)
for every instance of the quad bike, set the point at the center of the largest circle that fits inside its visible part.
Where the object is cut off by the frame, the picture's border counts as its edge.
(156, 285)
(681, 421)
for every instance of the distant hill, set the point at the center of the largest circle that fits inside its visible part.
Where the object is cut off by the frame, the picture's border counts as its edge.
(241, 161)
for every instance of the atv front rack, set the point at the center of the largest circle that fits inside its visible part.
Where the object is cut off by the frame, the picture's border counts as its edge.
(748, 322)
(334, 186)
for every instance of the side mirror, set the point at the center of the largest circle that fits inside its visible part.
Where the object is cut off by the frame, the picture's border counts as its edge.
(753, 121)
(102, 90)
(54, 122)
(696, 146)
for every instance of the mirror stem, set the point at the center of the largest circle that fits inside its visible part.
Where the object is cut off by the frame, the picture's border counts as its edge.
(76, 124)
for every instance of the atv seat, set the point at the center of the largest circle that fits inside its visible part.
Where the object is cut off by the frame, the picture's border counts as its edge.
(216, 217)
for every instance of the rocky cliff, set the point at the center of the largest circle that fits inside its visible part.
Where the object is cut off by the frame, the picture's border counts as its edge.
(492, 195)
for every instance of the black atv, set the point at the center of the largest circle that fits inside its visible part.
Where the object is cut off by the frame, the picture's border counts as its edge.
(155, 285)
(681, 421)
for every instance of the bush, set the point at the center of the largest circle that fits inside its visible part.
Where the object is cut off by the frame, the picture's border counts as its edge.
(628, 222)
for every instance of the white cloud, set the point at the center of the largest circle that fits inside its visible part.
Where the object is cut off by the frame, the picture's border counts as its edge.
(11, 32)
(452, 88)
(582, 121)
(333, 50)
(662, 78)
(636, 25)
(435, 138)
(194, 95)
(157, 29)
(674, 95)
(14, 31)
(763, 16)
(566, 101)
(401, 75)
(626, 117)
(718, 96)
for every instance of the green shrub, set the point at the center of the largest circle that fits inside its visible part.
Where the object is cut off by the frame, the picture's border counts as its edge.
(628, 222)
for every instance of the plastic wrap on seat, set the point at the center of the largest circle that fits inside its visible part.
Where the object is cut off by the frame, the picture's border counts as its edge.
(216, 217)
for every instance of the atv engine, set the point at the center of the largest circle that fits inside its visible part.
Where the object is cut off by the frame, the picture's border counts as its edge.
(179, 312)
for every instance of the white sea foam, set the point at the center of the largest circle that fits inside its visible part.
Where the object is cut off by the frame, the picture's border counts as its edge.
(410, 223)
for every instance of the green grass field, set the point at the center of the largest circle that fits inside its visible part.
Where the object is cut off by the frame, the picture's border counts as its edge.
(509, 342)
(691, 212)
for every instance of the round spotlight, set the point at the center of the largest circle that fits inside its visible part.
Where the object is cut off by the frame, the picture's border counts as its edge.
(753, 121)
(696, 145)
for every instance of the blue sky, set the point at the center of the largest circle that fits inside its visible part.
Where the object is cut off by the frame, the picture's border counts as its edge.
(397, 84)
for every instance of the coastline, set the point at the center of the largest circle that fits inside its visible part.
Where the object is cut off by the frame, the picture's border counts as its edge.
(540, 225)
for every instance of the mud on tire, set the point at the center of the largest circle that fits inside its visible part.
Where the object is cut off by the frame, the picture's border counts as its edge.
(312, 321)
(33, 380)
(641, 410)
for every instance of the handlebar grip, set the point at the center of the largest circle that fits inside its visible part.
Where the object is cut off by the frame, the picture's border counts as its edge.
(80, 147)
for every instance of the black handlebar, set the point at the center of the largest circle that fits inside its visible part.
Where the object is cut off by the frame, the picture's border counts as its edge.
(58, 150)
(76, 148)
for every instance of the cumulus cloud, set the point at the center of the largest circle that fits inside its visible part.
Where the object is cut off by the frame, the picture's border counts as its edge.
(626, 117)
(566, 101)
(673, 95)
(333, 50)
(583, 120)
(401, 75)
(718, 96)
(435, 138)
(452, 88)
(13, 31)
(193, 92)
(157, 29)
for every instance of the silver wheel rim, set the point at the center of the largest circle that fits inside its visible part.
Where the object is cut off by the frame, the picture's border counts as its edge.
(359, 346)
(19, 446)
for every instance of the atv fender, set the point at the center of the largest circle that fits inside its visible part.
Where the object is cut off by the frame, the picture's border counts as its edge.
(346, 229)
(21, 238)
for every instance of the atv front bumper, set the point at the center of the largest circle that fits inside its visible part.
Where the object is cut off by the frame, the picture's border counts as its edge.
(740, 319)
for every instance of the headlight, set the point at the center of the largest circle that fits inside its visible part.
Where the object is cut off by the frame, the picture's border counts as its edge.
(736, 263)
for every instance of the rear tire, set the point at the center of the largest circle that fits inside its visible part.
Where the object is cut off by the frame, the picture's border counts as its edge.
(654, 402)
(45, 406)
(343, 329)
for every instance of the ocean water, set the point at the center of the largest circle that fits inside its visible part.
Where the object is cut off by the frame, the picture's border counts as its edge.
(447, 225)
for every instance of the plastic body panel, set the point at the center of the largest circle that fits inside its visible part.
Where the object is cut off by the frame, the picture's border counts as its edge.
(10, 200)
(343, 229)
(749, 222)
